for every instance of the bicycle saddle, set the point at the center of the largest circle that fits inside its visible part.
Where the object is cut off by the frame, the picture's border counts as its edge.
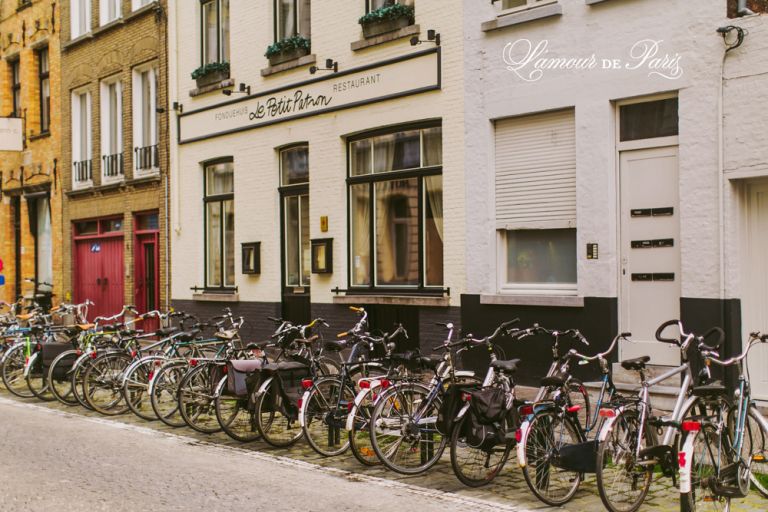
(637, 363)
(166, 331)
(554, 380)
(283, 366)
(712, 389)
(187, 335)
(508, 366)
(335, 346)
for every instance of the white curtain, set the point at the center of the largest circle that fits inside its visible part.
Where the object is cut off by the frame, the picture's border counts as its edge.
(361, 235)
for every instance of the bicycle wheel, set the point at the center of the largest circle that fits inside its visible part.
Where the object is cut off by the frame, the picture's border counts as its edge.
(759, 444)
(196, 401)
(233, 414)
(164, 392)
(60, 377)
(622, 480)
(706, 465)
(325, 415)
(404, 431)
(275, 427)
(14, 360)
(103, 383)
(37, 378)
(78, 371)
(476, 466)
(548, 433)
(136, 387)
(360, 433)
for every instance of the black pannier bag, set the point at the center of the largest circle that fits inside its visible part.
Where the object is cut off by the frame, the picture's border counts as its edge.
(217, 372)
(580, 457)
(237, 373)
(482, 436)
(451, 405)
(489, 405)
(288, 379)
(51, 351)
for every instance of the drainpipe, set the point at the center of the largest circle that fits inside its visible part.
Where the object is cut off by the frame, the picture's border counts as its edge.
(721, 172)
(742, 9)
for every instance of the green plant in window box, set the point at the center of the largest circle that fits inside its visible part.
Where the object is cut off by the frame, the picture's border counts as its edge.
(211, 73)
(290, 48)
(387, 19)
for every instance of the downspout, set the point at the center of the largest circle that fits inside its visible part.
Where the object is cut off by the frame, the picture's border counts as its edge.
(742, 9)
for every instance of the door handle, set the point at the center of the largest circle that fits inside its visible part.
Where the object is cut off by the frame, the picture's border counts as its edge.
(98, 280)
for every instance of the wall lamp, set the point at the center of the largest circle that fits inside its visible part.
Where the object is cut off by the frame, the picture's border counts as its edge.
(244, 89)
(432, 37)
(740, 35)
(178, 107)
(330, 65)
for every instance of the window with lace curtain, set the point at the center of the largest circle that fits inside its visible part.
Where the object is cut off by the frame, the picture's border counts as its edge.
(396, 209)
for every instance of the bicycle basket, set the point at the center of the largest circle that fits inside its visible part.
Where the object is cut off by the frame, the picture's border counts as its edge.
(579, 458)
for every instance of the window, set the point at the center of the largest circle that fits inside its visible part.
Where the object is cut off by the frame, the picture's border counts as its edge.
(15, 88)
(148, 222)
(111, 131)
(292, 17)
(523, 4)
(45, 90)
(396, 209)
(536, 203)
(648, 120)
(145, 150)
(220, 225)
(80, 17)
(81, 139)
(109, 11)
(138, 4)
(372, 5)
(43, 240)
(215, 31)
(294, 179)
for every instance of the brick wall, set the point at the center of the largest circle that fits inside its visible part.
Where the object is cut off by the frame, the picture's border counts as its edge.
(113, 51)
(38, 167)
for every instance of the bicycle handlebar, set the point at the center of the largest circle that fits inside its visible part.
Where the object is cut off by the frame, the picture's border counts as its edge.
(624, 335)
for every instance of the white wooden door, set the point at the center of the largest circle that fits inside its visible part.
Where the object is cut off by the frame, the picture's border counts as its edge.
(755, 283)
(650, 250)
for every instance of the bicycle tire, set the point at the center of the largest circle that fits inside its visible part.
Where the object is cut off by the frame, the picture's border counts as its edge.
(136, 386)
(360, 433)
(62, 387)
(234, 415)
(621, 439)
(164, 392)
(78, 371)
(463, 455)
(325, 415)
(196, 400)
(274, 427)
(704, 464)
(37, 379)
(759, 468)
(425, 444)
(14, 360)
(102, 383)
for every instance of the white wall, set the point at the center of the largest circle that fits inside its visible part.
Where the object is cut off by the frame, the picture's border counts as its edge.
(256, 165)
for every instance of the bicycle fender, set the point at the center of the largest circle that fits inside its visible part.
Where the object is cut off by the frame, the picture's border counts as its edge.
(608, 425)
(303, 408)
(465, 373)
(685, 461)
(358, 400)
(524, 428)
(264, 386)
(133, 365)
(29, 364)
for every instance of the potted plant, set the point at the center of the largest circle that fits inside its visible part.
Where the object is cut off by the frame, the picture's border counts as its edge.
(211, 73)
(287, 49)
(387, 19)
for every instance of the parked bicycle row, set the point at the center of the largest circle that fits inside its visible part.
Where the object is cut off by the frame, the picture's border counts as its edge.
(367, 393)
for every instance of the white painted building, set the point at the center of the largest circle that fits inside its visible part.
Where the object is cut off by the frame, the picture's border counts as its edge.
(365, 161)
(616, 164)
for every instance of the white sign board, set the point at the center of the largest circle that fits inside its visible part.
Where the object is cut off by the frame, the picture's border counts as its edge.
(415, 73)
(11, 135)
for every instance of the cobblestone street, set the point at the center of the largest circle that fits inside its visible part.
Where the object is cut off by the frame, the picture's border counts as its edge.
(439, 486)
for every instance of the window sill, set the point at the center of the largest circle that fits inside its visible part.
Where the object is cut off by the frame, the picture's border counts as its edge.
(229, 82)
(108, 26)
(143, 10)
(43, 135)
(561, 301)
(216, 297)
(394, 300)
(144, 179)
(367, 42)
(592, 2)
(291, 64)
(76, 41)
(81, 190)
(516, 18)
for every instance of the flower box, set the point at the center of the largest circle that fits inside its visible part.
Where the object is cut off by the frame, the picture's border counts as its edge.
(287, 55)
(376, 28)
(288, 49)
(387, 19)
(210, 74)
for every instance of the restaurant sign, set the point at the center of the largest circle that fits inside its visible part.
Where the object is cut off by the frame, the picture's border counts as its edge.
(403, 76)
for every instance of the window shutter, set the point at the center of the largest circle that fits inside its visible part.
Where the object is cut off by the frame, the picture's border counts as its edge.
(536, 171)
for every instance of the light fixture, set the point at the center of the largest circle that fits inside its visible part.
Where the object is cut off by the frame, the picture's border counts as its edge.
(432, 37)
(178, 107)
(330, 65)
(244, 89)
(740, 35)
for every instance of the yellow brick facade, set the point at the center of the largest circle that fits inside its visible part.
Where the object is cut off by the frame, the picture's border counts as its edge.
(26, 27)
(113, 51)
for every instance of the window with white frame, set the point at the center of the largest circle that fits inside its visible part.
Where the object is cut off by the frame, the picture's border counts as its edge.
(109, 11)
(215, 31)
(145, 149)
(536, 203)
(292, 18)
(372, 5)
(111, 130)
(82, 168)
(519, 5)
(138, 4)
(80, 17)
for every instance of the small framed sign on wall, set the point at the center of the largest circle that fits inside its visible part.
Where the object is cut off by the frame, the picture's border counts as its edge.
(322, 256)
(251, 258)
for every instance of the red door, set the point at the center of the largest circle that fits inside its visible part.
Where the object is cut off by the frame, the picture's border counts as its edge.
(98, 273)
(147, 277)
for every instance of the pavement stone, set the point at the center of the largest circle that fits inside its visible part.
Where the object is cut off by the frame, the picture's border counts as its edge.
(509, 488)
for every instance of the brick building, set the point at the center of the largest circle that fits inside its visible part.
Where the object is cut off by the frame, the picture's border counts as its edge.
(114, 161)
(30, 181)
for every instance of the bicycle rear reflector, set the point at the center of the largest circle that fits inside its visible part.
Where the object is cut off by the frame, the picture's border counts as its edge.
(607, 413)
(691, 426)
(306, 383)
